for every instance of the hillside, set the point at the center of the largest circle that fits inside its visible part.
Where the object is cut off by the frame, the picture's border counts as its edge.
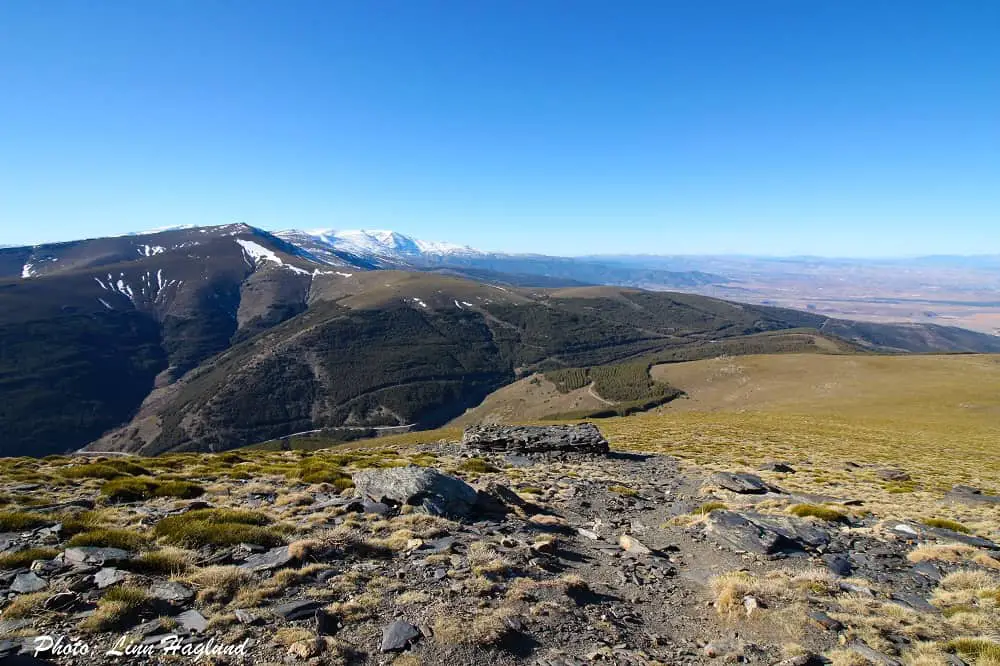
(210, 338)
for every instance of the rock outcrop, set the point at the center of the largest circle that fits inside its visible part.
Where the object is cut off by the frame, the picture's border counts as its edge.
(582, 438)
(436, 493)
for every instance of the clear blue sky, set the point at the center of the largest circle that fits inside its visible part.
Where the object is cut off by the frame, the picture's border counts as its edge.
(831, 127)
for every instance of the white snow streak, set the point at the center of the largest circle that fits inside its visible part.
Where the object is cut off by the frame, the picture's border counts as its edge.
(105, 303)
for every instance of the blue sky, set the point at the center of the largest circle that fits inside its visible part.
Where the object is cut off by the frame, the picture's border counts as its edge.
(847, 127)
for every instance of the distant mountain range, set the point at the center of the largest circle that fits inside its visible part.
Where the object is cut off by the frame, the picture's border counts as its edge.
(213, 337)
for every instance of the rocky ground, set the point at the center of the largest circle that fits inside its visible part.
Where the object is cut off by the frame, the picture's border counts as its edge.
(499, 550)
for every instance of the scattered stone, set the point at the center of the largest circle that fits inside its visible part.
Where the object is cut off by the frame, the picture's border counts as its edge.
(247, 617)
(632, 545)
(307, 649)
(593, 536)
(327, 624)
(910, 530)
(890, 474)
(838, 564)
(970, 495)
(95, 555)
(192, 620)
(498, 499)
(276, 558)
(777, 467)
(741, 483)
(107, 577)
(582, 438)
(436, 493)
(752, 605)
(874, 656)
(296, 610)
(62, 601)
(825, 621)
(914, 602)
(398, 636)
(26, 583)
(172, 592)
(760, 534)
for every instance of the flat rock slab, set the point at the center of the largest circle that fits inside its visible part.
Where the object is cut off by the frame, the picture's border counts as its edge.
(25, 583)
(435, 492)
(192, 620)
(741, 483)
(398, 636)
(582, 438)
(297, 610)
(95, 555)
(275, 558)
(970, 495)
(107, 577)
(172, 592)
(765, 535)
(919, 531)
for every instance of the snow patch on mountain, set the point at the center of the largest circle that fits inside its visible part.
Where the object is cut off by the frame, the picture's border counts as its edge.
(377, 243)
(259, 253)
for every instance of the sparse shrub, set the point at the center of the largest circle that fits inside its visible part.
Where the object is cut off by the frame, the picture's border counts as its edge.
(219, 527)
(817, 511)
(179, 489)
(476, 465)
(164, 562)
(219, 584)
(944, 523)
(110, 538)
(15, 521)
(709, 507)
(25, 605)
(129, 489)
(23, 558)
(90, 471)
(625, 491)
(979, 650)
(117, 609)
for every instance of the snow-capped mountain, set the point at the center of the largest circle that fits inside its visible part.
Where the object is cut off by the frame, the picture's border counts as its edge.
(382, 246)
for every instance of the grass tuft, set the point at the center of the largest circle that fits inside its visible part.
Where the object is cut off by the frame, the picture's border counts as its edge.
(817, 511)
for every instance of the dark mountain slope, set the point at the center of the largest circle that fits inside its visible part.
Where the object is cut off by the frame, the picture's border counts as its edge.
(391, 348)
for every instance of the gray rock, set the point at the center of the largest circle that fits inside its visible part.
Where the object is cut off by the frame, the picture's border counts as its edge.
(172, 592)
(275, 558)
(95, 555)
(62, 601)
(436, 493)
(874, 656)
(437, 546)
(777, 467)
(911, 530)
(890, 474)
(377, 508)
(914, 602)
(107, 577)
(498, 498)
(825, 621)
(247, 617)
(741, 483)
(760, 534)
(838, 564)
(296, 610)
(327, 624)
(398, 636)
(192, 620)
(25, 583)
(582, 438)
(970, 495)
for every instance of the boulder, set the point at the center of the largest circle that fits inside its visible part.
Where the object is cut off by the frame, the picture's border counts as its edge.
(434, 492)
(926, 532)
(741, 483)
(398, 636)
(582, 438)
(781, 468)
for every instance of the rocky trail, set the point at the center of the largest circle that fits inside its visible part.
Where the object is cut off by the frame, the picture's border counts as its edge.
(553, 551)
